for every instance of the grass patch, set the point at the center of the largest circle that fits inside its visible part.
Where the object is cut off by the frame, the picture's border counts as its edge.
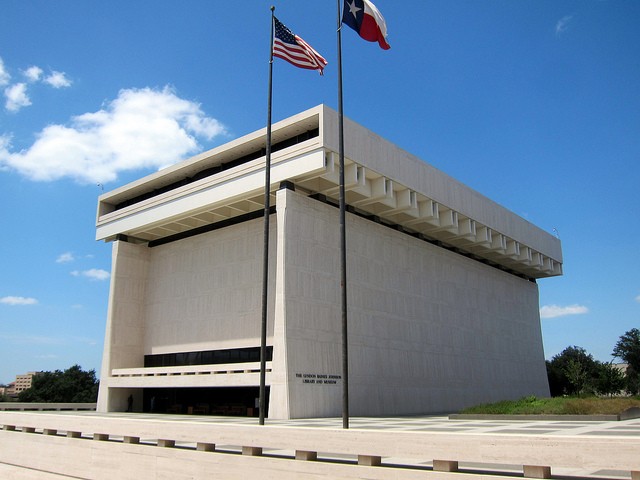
(556, 406)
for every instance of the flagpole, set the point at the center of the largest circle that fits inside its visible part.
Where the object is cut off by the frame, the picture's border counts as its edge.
(265, 266)
(343, 238)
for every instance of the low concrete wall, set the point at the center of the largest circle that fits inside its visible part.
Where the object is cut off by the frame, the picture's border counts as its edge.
(95, 447)
(26, 406)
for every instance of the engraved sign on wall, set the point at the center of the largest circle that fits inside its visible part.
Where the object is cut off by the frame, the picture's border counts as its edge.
(318, 378)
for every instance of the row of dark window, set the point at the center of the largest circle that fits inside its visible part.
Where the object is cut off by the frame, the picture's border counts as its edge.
(207, 357)
(222, 167)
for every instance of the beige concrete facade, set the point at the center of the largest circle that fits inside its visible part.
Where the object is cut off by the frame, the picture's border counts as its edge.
(443, 304)
(430, 330)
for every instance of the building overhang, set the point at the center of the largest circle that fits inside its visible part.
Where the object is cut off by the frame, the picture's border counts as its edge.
(381, 181)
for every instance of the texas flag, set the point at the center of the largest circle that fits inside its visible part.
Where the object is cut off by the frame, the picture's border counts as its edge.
(365, 18)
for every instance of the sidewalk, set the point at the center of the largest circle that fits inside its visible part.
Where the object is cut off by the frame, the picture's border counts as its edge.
(506, 440)
(427, 423)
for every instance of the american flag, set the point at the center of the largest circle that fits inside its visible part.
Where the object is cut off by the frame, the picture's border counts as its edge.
(295, 50)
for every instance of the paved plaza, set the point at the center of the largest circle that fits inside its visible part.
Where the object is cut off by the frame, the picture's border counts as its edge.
(425, 424)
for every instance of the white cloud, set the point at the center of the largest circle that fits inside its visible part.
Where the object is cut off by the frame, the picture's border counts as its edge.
(16, 94)
(141, 128)
(92, 274)
(85, 341)
(552, 311)
(16, 97)
(563, 24)
(4, 75)
(31, 339)
(33, 73)
(638, 299)
(57, 80)
(65, 258)
(18, 301)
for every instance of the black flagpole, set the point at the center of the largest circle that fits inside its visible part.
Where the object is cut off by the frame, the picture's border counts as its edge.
(265, 268)
(343, 239)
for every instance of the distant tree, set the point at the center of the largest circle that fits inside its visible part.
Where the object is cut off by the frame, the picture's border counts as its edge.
(628, 350)
(556, 379)
(632, 381)
(572, 372)
(73, 385)
(610, 380)
(578, 375)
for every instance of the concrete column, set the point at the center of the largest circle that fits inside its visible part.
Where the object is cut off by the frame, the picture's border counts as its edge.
(101, 437)
(132, 440)
(166, 443)
(124, 334)
(279, 392)
(49, 431)
(73, 434)
(28, 429)
(10, 428)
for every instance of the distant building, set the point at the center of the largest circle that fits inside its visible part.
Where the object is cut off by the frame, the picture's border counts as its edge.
(22, 383)
(11, 390)
(442, 294)
(621, 366)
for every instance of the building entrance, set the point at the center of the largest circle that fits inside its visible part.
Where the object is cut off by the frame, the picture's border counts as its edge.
(234, 401)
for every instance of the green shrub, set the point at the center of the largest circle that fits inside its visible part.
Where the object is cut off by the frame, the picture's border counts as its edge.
(532, 405)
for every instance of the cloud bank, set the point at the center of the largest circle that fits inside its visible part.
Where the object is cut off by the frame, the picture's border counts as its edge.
(18, 301)
(92, 274)
(17, 96)
(57, 80)
(141, 128)
(65, 257)
(553, 311)
(33, 73)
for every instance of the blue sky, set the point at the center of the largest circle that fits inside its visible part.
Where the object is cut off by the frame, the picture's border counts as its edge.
(536, 104)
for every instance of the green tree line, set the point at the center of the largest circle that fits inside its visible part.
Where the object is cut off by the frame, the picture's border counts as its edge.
(72, 385)
(576, 372)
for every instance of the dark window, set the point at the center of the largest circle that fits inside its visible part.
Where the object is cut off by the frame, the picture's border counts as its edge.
(207, 357)
(220, 168)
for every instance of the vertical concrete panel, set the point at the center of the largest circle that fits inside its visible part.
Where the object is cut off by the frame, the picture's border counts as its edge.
(310, 309)
(204, 292)
(279, 389)
(124, 334)
(429, 330)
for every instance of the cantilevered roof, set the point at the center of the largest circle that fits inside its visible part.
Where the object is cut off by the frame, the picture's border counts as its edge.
(381, 180)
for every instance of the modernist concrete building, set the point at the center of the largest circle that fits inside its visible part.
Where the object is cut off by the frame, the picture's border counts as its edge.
(443, 300)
